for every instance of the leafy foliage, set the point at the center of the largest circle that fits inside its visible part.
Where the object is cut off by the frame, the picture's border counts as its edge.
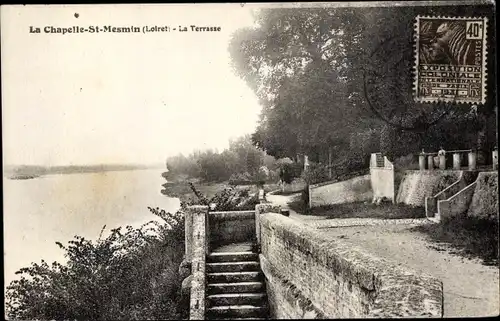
(315, 173)
(229, 199)
(130, 274)
(242, 158)
(325, 75)
(290, 171)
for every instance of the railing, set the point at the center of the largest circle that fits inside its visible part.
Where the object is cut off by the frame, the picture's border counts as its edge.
(440, 161)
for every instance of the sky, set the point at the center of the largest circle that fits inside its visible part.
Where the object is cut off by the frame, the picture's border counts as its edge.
(120, 97)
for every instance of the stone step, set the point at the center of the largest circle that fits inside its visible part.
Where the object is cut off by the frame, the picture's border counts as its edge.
(232, 266)
(232, 257)
(239, 287)
(230, 277)
(237, 299)
(242, 311)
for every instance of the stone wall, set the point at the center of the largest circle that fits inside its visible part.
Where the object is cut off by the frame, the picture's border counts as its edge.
(484, 202)
(352, 190)
(416, 185)
(457, 205)
(310, 275)
(431, 202)
(478, 200)
(231, 226)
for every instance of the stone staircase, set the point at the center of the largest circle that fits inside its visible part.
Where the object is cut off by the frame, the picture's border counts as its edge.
(235, 287)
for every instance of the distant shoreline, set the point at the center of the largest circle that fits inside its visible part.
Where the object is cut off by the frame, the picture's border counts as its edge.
(25, 172)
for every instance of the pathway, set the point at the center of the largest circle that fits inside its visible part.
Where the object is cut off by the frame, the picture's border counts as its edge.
(470, 288)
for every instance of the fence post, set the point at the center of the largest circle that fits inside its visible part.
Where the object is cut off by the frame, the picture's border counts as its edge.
(442, 161)
(456, 161)
(472, 160)
(430, 162)
(421, 162)
(495, 159)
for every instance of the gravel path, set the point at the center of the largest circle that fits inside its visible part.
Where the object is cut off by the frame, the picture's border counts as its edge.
(471, 289)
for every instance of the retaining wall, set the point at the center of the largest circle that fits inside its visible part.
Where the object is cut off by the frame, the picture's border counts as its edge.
(457, 205)
(484, 203)
(416, 185)
(478, 199)
(352, 190)
(431, 202)
(310, 275)
(231, 227)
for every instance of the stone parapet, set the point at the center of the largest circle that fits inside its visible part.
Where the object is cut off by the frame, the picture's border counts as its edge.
(317, 276)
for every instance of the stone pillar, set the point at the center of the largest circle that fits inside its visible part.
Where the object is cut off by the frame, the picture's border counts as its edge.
(207, 232)
(186, 267)
(495, 159)
(430, 162)
(456, 161)
(442, 161)
(472, 160)
(188, 237)
(198, 281)
(306, 162)
(262, 209)
(262, 198)
(421, 162)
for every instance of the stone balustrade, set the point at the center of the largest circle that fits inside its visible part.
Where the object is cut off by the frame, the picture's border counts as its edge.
(438, 160)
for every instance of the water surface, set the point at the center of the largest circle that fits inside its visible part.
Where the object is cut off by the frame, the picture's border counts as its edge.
(38, 212)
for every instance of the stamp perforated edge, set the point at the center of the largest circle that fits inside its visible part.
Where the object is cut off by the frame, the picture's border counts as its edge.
(416, 48)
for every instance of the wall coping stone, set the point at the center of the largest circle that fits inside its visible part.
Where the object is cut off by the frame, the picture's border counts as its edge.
(232, 215)
(337, 181)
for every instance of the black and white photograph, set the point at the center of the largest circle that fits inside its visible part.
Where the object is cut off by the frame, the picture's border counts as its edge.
(250, 161)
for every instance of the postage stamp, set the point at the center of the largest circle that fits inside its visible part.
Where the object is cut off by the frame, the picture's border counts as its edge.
(450, 59)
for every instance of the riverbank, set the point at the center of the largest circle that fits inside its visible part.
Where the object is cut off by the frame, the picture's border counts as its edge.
(24, 172)
(182, 190)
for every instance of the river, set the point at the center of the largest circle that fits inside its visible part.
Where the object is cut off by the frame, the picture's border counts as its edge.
(38, 212)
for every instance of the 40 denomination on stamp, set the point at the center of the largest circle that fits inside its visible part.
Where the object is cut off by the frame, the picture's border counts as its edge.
(450, 59)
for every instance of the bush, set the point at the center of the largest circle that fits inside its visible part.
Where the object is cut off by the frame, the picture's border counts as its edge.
(131, 274)
(316, 173)
(229, 199)
(409, 161)
(288, 172)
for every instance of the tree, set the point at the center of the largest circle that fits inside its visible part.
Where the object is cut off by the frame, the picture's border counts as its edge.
(303, 62)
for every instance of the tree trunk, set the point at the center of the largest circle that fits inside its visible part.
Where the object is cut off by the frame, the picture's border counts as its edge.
(330, 162)
(481, 141)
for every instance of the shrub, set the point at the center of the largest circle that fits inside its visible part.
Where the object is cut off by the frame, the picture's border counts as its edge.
(315, 173)
(409, 161)
(290, 171)
(229, 199)
(131, 274)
